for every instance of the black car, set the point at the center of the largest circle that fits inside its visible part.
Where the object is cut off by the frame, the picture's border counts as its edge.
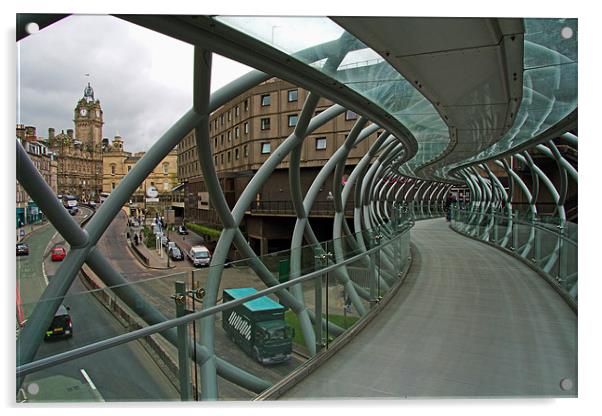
(73, 210)
(182, 230)
(176, 254)
(22, 249)
(61, 325)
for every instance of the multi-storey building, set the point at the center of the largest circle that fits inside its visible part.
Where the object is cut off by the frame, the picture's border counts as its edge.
(79, 152)
(117, 163)
(27, 211)
(243, 133)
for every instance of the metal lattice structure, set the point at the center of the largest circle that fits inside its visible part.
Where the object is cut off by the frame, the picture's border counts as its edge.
(407, 174)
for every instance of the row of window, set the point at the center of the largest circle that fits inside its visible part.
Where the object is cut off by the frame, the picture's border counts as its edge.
(266, 100)
(292, 96)
(165, 168)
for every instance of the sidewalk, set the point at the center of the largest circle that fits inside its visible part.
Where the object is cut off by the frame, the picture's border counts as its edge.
(154, 258)
(24, 231)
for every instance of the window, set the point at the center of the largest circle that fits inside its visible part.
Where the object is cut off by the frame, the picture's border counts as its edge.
(222, 158)
(165, 168)
(246, 151)
(236, 154)
(129, 167)
(265, 100)
(221, 139)
(221, 119)
(230, 136)
(112, 185)
(265, 123)
(166, 186)
(112, 169)
(246, 128)
(229, 115)
(215, 142)
(292, 120)
(228, 157)
(215, 160)
(293, 95)
(320, 143)
(237, 132)
(265, 148)
(247, 105)
(236, 111)
(350, 115)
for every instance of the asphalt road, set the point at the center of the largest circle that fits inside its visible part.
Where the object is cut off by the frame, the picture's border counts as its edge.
(123, 373)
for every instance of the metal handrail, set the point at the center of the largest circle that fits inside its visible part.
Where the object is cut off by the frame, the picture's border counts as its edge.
(517, 220)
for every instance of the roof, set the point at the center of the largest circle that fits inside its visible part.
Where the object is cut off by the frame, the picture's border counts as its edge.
(261, 304)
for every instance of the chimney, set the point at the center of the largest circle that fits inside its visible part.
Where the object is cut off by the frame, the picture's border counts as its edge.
(50, 133)
(30, 133)
(70, 133)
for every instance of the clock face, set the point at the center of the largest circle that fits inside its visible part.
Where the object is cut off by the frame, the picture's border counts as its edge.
(83, 111)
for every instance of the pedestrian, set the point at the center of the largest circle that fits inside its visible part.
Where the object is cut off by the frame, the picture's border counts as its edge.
(136, 239)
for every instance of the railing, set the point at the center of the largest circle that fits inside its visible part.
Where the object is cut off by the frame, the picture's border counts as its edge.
(547, 244)
(319, 208)
(338, 282)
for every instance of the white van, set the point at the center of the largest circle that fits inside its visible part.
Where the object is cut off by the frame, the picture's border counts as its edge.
(200, 256)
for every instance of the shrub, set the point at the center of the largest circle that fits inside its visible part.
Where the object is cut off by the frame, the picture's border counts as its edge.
(202, 230)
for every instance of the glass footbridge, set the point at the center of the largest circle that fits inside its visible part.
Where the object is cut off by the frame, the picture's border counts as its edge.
(478, 121)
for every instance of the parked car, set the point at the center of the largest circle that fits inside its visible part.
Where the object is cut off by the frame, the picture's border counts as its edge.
(182, 230)
(176, 254)
(22, 249)
(61, 325)
(73, 210)
(58, 253)
(164, 241)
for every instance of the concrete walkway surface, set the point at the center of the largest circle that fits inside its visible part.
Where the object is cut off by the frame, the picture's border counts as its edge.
(470, 321)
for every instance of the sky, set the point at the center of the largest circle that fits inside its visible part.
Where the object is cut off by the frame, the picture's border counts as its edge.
(143, 79)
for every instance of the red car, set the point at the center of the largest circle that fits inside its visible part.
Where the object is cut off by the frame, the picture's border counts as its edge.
(58, 254)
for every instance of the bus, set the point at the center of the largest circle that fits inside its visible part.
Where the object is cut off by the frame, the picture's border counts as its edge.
(69, 201)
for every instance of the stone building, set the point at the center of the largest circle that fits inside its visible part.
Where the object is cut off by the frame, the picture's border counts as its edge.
(27, 211)
(116, 163)
(79, 151)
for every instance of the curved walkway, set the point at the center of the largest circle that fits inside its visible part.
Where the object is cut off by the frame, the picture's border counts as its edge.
(469, 321)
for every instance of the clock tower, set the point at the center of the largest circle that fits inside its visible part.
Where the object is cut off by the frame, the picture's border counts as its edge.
(88, 121)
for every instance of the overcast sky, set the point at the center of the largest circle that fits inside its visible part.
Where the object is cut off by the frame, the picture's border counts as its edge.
(142, 79)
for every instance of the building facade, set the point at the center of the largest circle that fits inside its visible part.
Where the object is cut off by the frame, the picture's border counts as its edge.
(27, 211)
(116, 163)
(243, 134)
(79, 151)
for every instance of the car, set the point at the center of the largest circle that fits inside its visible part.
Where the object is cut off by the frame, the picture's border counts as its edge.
(164, 241)
(61, 325)
(22, 249)
(73, 210)
(200, 256)
(182, 230)
(170, 245)
(176, 254)
(58, 253)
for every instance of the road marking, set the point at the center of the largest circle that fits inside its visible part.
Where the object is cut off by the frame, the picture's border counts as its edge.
(44, 272)
(88, 379)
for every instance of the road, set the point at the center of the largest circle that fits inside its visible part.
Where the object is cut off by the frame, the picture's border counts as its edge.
(122, 373)
(158, 291)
